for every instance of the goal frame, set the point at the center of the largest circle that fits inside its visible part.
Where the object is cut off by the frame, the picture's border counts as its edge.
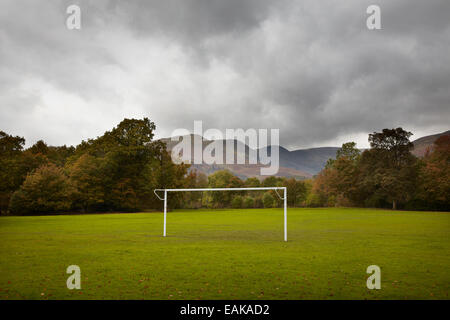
(284, 198)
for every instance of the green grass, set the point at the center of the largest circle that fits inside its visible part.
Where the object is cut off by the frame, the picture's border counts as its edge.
(228, 254)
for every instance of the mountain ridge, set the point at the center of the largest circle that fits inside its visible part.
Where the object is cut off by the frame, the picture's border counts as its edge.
(299, 163)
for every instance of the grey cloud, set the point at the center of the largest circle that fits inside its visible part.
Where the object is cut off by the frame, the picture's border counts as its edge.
(310, 68)
(194, 20)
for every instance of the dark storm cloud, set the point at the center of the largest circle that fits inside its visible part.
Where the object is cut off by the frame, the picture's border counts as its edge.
(194, 20)
(310, 68)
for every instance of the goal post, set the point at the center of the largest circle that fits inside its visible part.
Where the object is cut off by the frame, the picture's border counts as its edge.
(165, 191)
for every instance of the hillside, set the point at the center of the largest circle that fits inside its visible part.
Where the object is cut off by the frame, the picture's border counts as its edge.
(300, 164)
(423, 144)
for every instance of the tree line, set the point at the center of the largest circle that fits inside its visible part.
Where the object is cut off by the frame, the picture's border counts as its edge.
(297, 191)
(387, 175)
(119, 170)
(114, 172)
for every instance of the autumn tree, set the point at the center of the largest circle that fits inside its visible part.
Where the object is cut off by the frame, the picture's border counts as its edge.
(46, 190)
(248, 202)
(237, 202)
(434, 176)
(344, 179)
(127, 165)
(296, 191)
(336, 183)
(11, 169)
(269, 200)
(89, 176)
(388, 169)
(223, 179)
(320, 191)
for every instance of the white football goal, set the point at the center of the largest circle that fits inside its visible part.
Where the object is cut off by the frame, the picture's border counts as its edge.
(284, 198)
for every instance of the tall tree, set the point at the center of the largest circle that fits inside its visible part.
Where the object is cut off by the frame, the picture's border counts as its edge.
(389, 167)
(89, 176)
(11, 169)
(434, 187)
(46, 190)
(343, 181)
(296, 191)
(129, 166)
(336, 184)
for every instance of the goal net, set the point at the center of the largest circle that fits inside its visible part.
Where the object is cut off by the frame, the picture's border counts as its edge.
(166, 192)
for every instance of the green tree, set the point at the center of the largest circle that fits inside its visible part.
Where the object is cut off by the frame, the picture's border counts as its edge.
(252, 183)
(268, 200)
(129, 166)
(248, 202)
(39, 147)
(223, 179)
(46, 190)
(194, 179)
(270, 181)
(348, 151)
(88, 175)
(314, 200)
(388, 169)
(167, 174)
(345, 170)
(296, 191)
(237, 202)
(11, 167)
(320, 192)
(337, 181)
(434, 176)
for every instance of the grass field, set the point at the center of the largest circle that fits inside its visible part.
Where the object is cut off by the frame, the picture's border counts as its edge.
(228, 254)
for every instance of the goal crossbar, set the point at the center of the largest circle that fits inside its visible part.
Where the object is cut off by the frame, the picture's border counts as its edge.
(284, 198)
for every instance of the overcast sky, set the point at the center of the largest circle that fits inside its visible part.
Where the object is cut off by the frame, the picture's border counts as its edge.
(310, 68)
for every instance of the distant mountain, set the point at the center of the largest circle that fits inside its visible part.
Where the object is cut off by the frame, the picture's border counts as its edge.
(300, 164)
(309, 160)
(426, 143)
